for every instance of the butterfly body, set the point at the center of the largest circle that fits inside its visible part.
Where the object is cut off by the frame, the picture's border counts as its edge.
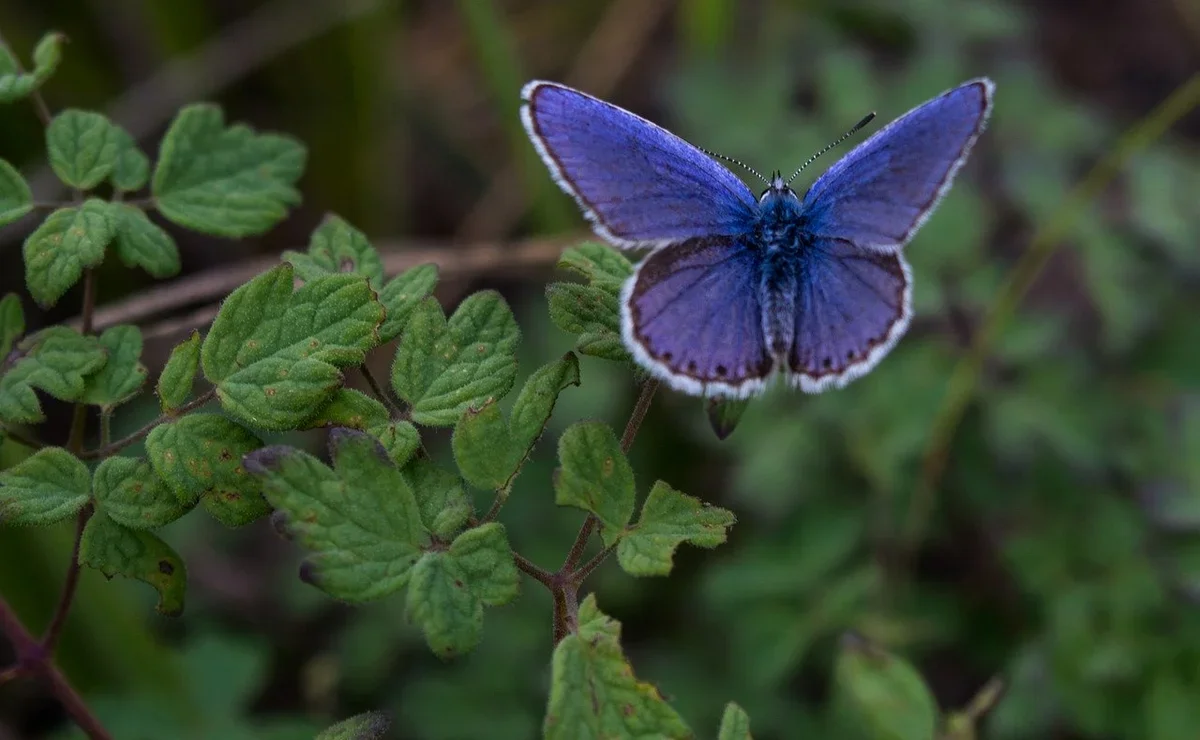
(736, 290)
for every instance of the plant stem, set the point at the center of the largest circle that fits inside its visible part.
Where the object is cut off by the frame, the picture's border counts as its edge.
(67, 597)
(120, 444)
(379, 391)
(21, 437)
(541, 575)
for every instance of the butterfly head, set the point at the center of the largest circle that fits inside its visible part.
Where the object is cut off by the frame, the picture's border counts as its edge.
(777, 190)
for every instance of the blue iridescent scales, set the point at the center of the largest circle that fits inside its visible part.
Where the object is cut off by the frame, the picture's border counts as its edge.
(738, 290)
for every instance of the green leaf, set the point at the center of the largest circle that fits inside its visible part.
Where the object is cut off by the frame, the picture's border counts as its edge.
(735, 723)
(360, 519)
(82, 147)
(440, 601)
(142, 243)
(15, 84)
(274, 354)
(131, 170)
(349, 408)
(123, 375)
(179, 374)
(402, 295)
(669, 518)
(593, 692)
(399, 438)
(442, 368)
(490, 450)
(367, 726)
(16, 199)
(881, 695)
(200, 456)
(55, 360)
(119, 551)
(597, 262)
(595, 477)
(12, 324)
(49, 486)
(129, 491)
(485, 557)
(231, 181)
(337, 247)
(440, 497)
(724, 414)
(69, 240)
(592, 312)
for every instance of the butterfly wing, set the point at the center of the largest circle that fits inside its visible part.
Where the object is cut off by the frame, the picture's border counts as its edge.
(852, 305)
(691, 314)
(879, 194)
(638, 184)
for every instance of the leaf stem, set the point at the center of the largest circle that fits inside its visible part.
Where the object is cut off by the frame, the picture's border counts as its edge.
(586, 569)
(54, 630)
(381, 393)
(120, 444)
(541, 575)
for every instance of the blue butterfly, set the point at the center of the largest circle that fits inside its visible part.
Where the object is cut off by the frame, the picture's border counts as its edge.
(737, 289)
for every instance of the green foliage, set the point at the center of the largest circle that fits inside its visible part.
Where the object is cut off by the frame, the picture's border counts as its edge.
(882, 696)
(142, 243)
(56, 360)
(82, 147)
(12, 322)
(116, 550)
(47, 487)
(596, 477)
(337, 247)
(129, 492)
(131, 169)
(15, 84)
(401, 296)
(668, 519)
(225, 181)
(179, 374)
(592, 311)
(735, 724)
(16, 199)
(69, 240)
(445, 367)
(123, 374)
(367, 726)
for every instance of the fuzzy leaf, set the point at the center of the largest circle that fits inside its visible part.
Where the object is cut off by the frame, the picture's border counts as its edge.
(142, 243)
(366, 726)
(16, 199)
(442, 368)
(69, 240)
(15, 84)
(129, 491)
(735, 723)
(597, 262)
(441, 602)
(489, 449)
(360, 519)
(352, 409)
(274, 354)
(124, 374)
(115, 550)
(440, 497)
(82, 147)
(487, 560)
(337, 247)
(49, 486)
(595, 477)
(593, 692)
(55, 360)
(12, 324)
(402, 295)
(131, 170)
(593, 313)
(400, 438)
(669, 518)
(231, 181)
(179, 374)
(881, 695)
(200, 457)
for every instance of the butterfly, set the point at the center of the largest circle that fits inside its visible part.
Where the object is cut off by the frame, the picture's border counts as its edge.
(739, 290)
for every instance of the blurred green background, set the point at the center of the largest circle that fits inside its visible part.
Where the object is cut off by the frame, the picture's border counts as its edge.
(1060, 547)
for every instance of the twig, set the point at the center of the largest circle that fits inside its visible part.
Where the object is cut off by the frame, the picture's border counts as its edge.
(120, 444)
(541, 575)
(67, 597)
(379, 391)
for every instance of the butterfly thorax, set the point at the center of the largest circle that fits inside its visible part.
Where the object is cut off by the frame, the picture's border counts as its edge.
(778, 235)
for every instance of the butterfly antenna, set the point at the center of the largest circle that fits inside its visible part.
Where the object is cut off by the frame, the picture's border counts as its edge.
(857, 127)
(743, 165)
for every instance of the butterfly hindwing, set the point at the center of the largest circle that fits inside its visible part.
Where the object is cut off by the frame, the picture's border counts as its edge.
(879, 194)
(639, 184)
(692, 315)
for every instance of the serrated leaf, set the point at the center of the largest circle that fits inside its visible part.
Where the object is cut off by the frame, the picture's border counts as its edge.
(367, 726)
(593, 313)
(595, 477)
(69, 240)
(179, 374)
(399, 438)
(49, 486)
(115, 550)
(15, 84)
(443, 367)
(440, 497)
(724, 414)
(594, 694)
(123, 375)
(337, 247)
(596, 262)
(12, 325)
(440, 601)
(16, 199)
(129, 491)
(274, 354)
(487, 560)
(131, 169)
(490, 449)
(82, 146)
(735, 723)
(668, 519)
(882, 695)
(231, 181)
(360, 520)
(200, 456)
(352, 409)
(142, 243)
(402, 294)
(55, 360)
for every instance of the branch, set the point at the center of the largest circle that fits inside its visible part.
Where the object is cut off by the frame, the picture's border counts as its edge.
(120, 444)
